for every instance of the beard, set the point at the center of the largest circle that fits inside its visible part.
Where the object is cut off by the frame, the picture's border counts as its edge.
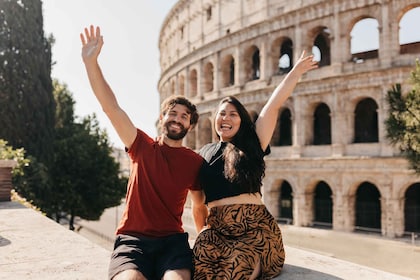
(175, 135)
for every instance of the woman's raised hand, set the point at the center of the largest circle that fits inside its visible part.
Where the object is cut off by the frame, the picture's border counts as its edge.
(305, 63)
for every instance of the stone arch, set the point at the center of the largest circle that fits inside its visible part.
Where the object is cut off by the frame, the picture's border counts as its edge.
(322, 125)
(282, 55)
(368, 207)
(206, 130)
(323, 205)
(181, 82)
(283, 135)
(412, 208)
(208, 77)
(228, 71)
(364, 42)
(253, 114)
(285, 204)
(252, 63)
(172, 92)
(321, 47)
(366, 121)
(409, 41)
(193, 81)
(191, 139)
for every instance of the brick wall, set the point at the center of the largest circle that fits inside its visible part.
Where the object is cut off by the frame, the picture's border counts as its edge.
(6, 179)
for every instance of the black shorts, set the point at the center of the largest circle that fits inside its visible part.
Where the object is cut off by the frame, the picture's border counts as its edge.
(151, 256)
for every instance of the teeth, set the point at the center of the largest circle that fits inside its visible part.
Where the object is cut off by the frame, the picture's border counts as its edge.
(174, 126)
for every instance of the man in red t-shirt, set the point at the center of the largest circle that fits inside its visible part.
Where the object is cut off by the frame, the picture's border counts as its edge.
(150, 242)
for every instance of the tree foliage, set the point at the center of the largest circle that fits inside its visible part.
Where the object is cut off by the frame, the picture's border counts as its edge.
(26, 101)
(18, 155)
(403, 123)
(68, 168)
(85, 176)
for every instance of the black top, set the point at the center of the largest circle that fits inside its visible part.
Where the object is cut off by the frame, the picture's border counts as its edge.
(212, 178)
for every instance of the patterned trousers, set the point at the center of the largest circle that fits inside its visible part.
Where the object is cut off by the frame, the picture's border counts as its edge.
(239, 237)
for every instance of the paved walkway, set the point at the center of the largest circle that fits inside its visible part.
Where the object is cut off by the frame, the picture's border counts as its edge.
(391, 255)
(395, 256)
(33, 247)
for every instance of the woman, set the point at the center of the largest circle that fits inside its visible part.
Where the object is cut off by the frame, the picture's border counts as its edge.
(242, 240)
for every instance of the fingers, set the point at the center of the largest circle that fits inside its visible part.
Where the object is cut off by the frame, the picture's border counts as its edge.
(90, 34)
(82, 38)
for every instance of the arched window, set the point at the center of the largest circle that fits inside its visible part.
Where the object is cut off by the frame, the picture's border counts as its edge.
(286, 203)
(283, 133)
(228, 71)
(172, 87)
(323, 205)
(366, 122)
(286, 57)
(193, 83)
(409, 40)
(412, 208)
(208, 77)
(368, 207)
(364, 40)
(322, 125)
(181, 85)
(256, 65)
(321, 48)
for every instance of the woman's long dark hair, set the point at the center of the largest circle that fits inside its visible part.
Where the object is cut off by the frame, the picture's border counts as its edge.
(244, 158)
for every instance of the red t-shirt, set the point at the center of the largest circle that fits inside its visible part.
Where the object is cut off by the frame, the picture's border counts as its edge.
(158, 186)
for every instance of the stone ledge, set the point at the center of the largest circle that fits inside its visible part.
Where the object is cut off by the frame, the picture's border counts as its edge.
(35, 247)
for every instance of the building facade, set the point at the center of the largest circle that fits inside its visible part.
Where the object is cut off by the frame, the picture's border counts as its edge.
(331, 164)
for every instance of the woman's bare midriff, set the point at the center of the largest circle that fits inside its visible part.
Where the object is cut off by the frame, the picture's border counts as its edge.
(245, 198)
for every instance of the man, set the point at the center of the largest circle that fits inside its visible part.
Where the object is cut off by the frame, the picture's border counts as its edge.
(150, 242)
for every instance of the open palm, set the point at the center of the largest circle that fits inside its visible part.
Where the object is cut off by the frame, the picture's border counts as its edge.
(92, 42)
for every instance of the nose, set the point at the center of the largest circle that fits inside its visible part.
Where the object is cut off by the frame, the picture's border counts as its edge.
(177, 119)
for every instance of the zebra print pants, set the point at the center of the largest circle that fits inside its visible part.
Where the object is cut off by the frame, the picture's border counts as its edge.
(238, 237)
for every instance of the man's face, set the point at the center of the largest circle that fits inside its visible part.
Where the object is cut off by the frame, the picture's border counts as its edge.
(176, 122)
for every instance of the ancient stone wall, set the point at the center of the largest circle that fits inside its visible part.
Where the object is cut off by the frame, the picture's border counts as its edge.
(334, 121)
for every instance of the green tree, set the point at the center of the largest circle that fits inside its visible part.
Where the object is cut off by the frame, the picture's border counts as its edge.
(85, 176)
(26, 100)
(8, 153)
(403, 123)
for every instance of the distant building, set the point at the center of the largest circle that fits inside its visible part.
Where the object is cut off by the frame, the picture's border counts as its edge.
(331, 164)
(122, 157)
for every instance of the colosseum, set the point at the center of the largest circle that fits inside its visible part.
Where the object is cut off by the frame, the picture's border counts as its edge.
(331, 164)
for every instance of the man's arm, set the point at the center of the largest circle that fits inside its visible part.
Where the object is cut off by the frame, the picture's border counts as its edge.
(92, 43)
(199, 210)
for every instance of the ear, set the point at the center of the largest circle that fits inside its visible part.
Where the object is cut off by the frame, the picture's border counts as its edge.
(191, 127)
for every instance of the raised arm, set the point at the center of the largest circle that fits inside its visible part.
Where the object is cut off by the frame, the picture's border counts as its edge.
(92, 43)
(267, 119)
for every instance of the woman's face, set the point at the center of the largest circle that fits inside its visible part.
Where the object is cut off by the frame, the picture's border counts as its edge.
(227, 122)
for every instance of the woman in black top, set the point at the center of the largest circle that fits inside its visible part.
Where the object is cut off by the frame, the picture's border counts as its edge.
(242, 239)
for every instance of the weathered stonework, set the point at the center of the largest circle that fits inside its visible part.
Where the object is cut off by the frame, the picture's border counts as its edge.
(211, 49)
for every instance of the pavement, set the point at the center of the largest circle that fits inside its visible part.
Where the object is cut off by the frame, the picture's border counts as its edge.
(35, 247)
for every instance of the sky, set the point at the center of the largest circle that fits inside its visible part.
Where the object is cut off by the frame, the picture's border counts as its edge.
(129, 57)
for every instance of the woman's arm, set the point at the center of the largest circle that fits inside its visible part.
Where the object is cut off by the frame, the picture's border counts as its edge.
(267, 119)
(199, 210)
